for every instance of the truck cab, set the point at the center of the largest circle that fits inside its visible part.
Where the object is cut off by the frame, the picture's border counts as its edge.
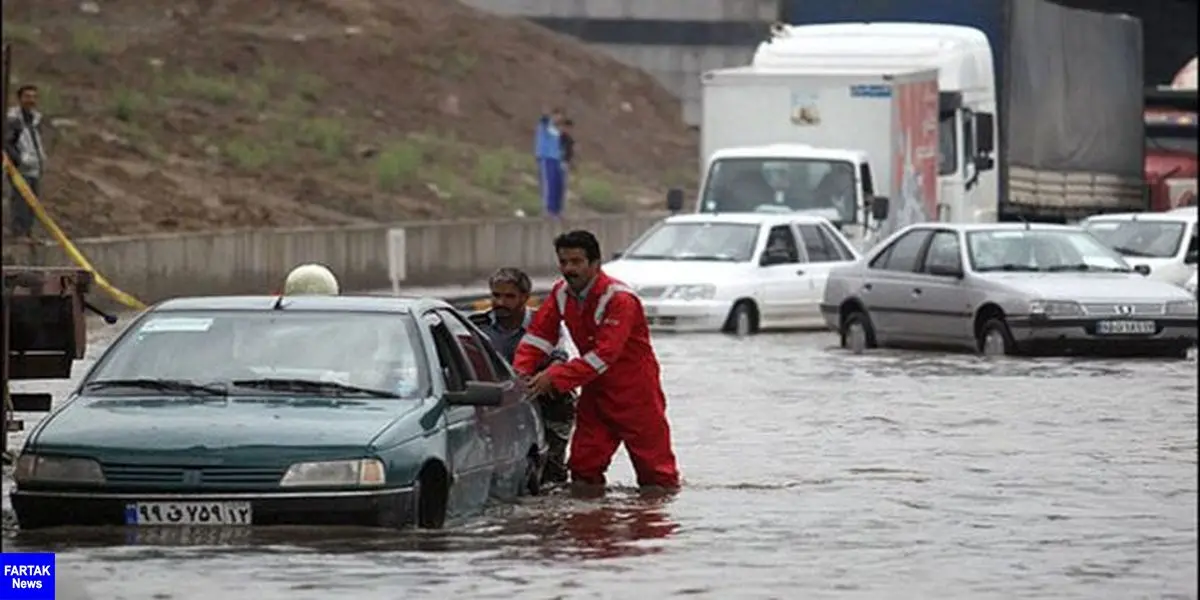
(967, 181)
(1171, 151)
(835, 184)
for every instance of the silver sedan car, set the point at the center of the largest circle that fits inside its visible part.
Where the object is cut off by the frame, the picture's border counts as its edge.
(1006, 289)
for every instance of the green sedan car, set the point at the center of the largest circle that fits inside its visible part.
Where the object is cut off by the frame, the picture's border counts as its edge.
(313, 410)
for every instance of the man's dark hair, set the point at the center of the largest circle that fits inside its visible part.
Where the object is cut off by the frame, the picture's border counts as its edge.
(579, 240)
(26, 88)
(514, 276)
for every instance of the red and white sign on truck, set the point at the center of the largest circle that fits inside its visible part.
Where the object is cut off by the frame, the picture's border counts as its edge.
(915, 158)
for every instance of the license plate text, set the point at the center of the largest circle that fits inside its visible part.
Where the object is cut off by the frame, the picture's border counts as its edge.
(188, 513)
(1125, 328)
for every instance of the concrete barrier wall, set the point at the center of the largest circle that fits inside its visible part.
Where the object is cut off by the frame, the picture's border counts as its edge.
(675, 41)
(232, 262)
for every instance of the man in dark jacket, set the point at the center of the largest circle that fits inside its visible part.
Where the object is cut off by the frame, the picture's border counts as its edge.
(505, 325)
(23, 144)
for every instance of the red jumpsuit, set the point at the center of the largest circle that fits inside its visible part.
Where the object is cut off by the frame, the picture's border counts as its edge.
(622, 399)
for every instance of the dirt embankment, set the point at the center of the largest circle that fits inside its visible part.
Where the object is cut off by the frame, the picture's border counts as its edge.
(208, 114)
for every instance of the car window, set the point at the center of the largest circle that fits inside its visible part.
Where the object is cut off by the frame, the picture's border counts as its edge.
(1192, 249)
(944, 251)
(781, 245)
(816, 246)
(455, 370)
(382, 351)
(474, 349)
(489, 363)
(833, 240)
(903, 253)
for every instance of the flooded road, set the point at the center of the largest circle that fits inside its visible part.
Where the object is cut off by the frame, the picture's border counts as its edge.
(809, 473)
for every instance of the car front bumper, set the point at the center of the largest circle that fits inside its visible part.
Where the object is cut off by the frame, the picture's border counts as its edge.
(387, 507)
(1170, 333)
(686, 315)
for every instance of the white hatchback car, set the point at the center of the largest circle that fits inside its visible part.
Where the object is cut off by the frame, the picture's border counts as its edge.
(739, 273)
(1164, 241)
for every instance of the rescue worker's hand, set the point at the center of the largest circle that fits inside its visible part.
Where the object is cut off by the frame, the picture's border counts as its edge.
(540, 384)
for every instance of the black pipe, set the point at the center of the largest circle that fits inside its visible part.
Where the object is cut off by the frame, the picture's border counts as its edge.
(108, 317)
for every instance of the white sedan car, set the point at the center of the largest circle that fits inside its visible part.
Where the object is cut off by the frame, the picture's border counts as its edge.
(1164, 241)
(738, 273)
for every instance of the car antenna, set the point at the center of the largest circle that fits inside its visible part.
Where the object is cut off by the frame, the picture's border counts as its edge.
(278, 303)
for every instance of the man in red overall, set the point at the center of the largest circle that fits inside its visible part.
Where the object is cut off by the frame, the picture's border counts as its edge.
(622, 399)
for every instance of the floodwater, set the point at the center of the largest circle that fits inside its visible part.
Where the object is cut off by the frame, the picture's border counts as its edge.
(809, 473)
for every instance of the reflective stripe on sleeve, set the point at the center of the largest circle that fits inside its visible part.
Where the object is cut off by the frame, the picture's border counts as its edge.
(612, 290)
(537, 342)
(594, 361)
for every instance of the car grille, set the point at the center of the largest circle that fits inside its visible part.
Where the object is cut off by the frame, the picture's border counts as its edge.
(1124, 310)
(146, 475)
(651, 291)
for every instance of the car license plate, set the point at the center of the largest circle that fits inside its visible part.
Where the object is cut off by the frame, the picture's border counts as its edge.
(1125, 328)
(188, 513)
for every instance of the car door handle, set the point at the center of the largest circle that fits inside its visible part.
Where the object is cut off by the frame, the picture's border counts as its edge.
(866, 287)
(916, 291)
(800, 272)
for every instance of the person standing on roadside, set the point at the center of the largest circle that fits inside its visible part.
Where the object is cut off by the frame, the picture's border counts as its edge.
(504, 326)
(622, 399)
(548, 150)
(567, 142)
(23, 144)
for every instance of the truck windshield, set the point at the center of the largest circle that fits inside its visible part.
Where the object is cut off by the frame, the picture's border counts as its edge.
(827, 188)
(1140, 239)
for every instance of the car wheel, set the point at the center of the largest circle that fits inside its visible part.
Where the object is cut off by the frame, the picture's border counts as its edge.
(429, 501)
(857, 332)
(741, 320)
(995, 339)
(1177, 352)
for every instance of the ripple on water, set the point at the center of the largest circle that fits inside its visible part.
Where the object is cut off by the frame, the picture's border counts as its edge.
(809, 472)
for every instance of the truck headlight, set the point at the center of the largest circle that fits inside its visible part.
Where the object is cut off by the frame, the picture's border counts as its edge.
(57, 469)
(363, 471)
(691, 292)
(1055, 308)
(1185, 308)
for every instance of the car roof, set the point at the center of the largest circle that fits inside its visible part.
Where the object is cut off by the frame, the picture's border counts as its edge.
(748, 218)
(968, 227)
(380, 304)
(1178, 215)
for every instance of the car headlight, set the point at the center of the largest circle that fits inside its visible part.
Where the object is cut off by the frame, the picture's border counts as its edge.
(57, 469)
(1055, 308)
(1182, 307)
(363, 471)
(691, 292)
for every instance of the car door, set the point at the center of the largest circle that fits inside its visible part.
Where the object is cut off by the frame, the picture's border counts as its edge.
(888, 282)
(821, 254)
(468, 442)
(940, 310)
(508, 456)
(780, 278)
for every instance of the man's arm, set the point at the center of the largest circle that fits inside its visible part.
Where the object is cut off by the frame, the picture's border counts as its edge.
(613, 332)
(13, 129)
(540, 338)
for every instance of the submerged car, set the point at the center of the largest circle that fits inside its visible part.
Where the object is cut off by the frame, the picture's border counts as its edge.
(1166, 242)
(309, 410)
(738, 273)
(1006, 289)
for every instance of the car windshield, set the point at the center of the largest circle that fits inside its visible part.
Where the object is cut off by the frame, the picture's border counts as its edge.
(1041, 250)
(825, 188)
(1139, 239)
(308, 352)
(732, 242)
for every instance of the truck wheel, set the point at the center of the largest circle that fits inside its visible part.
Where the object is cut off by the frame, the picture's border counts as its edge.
(857, 333)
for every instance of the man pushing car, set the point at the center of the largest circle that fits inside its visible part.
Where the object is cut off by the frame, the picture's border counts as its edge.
(622, 399)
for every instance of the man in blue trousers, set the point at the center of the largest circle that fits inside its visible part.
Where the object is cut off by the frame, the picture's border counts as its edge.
(548, 150)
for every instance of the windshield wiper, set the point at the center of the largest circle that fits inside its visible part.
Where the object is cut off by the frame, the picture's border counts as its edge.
(710, 257)
(649, 257)
(1009, 267)
(332, 388)
(1132, 252)
(164, 385)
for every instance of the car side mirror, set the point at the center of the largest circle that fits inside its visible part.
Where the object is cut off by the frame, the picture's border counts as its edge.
(674, 200)
(1142, 270)
(942, 270)
(879, 208)
(984, 163)
(478, 393)
(985, 128)
(616, 255)
(1191, 258)
(769, 260)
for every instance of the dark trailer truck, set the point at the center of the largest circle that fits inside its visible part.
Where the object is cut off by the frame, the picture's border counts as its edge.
(1070, 138)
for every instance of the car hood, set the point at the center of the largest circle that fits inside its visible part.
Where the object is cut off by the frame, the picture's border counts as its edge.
(206, 423)
(1090, 287)
(642, 273)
